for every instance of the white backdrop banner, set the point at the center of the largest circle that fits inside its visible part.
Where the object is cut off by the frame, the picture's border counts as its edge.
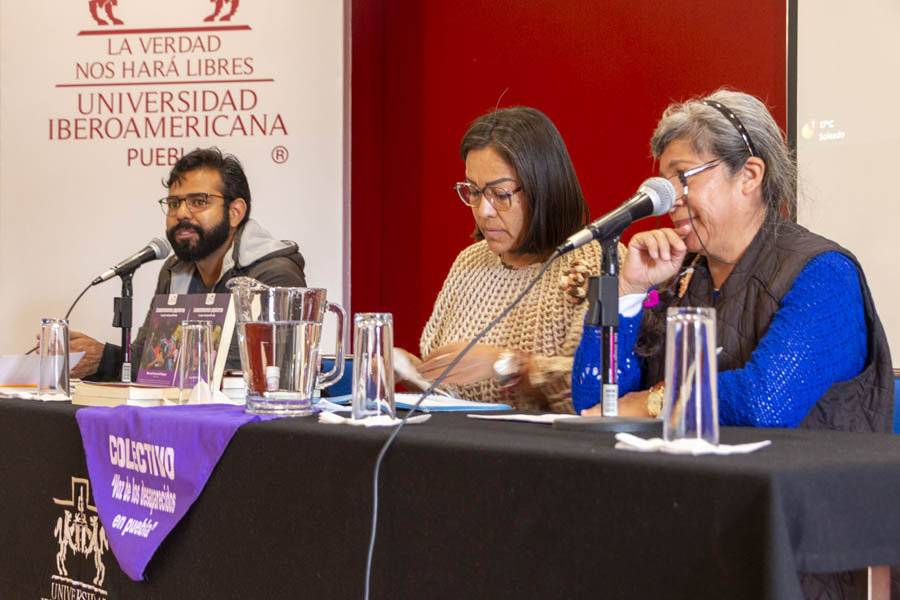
(99, 99)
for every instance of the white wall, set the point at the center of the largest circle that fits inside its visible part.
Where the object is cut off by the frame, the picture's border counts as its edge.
(848, 124)
(71, 208)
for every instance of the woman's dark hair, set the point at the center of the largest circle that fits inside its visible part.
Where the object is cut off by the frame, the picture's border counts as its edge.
(227, 166)
(529, 142)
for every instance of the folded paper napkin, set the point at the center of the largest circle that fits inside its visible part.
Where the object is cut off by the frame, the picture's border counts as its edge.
(325, 405)
(23, 395)
(379, 421)
(694, 446)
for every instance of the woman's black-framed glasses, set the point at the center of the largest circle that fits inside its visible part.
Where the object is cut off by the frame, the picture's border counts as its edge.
(681, 186)
(195, 203)
(499, 197)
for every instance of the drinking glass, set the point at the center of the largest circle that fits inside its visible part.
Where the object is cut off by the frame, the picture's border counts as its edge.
(373, 368)
(53, 380)
(195, 362)
(691, 402)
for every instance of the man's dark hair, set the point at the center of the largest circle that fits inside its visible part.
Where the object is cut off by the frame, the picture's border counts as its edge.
(529, 141)
(227, 166)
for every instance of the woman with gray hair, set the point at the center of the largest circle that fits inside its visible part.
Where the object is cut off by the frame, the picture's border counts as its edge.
(801, 342)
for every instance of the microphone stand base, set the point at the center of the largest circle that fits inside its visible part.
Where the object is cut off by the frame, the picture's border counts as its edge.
(637, 425)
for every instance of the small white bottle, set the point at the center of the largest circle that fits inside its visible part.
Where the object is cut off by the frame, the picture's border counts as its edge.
(273, 374)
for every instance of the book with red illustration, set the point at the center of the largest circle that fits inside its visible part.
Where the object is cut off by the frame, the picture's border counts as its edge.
(159, 361)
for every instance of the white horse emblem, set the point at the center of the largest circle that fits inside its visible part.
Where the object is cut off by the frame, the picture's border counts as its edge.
(80, 533)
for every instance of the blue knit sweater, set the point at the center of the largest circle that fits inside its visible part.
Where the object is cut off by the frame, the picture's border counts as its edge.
(817, 338)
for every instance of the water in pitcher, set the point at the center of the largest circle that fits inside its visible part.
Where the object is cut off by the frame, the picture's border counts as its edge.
(280, 360)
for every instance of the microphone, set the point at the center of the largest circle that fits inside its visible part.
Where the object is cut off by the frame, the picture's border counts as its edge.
(655, 197)
(157, 248)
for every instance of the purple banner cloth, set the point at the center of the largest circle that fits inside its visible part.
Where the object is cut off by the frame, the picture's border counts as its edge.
(147, 467)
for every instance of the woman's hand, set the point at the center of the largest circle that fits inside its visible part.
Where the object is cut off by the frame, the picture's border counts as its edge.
(632, 404)
(476, 365)
(653, 257)
(406, 366)
(414, 360)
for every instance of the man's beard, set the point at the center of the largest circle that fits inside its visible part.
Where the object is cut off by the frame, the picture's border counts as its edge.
(208, 241)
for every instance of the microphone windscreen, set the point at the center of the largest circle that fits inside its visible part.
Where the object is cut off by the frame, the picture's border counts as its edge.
(162, 248)
(661, 192)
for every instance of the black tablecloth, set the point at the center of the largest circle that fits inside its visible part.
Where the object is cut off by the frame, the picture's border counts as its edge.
(469, 509)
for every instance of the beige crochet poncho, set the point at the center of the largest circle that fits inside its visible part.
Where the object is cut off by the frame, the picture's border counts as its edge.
(544, 324)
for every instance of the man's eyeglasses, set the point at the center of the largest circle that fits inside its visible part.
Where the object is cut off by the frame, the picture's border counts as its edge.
(681, 186)
(499, 197)
(195, 203)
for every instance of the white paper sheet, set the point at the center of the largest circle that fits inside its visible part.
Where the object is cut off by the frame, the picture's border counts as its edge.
(433, 402)
(546, 418)
(19, 370)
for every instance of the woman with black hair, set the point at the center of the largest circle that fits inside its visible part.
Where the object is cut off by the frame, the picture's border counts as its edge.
(525, 199)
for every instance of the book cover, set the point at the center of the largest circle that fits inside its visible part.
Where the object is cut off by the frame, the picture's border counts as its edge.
(159, 361)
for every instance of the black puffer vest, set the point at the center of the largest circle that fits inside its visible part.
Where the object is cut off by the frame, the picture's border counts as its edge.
(749, 299)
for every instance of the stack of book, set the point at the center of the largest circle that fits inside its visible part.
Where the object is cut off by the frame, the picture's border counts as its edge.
(116, 393)
(233, 387)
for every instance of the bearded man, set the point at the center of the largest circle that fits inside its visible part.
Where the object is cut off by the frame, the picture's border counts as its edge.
(213, 239)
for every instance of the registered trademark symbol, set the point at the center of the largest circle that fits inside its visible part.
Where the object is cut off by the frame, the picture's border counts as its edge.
(279, 154)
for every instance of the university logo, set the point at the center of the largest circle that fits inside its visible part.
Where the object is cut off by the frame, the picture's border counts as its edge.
(106, 6)
(219, 4)
(79, 536)
(95, 6)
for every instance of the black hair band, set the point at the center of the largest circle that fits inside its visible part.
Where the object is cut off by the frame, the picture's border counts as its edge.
(732, 118)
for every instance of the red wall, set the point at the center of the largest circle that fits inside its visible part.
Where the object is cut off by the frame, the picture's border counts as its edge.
(602, 71)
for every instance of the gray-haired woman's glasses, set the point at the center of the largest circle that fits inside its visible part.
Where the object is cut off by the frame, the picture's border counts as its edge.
(499, 197)
(681, 186)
